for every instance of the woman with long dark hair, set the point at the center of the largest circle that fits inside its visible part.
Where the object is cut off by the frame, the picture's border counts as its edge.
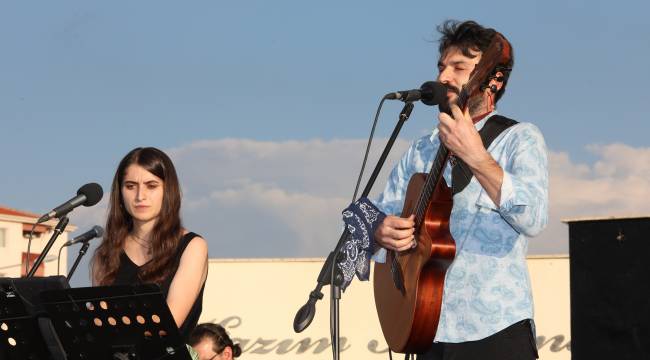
(145, 241)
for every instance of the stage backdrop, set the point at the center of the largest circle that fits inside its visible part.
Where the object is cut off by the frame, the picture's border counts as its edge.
(257, 299)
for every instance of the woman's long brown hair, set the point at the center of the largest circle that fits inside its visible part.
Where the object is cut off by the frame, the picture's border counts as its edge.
(166, 233)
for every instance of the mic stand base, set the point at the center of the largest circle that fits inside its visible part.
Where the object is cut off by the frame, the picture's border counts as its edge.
(335, 299)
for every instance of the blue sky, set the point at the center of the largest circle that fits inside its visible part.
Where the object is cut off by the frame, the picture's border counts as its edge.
(83, 82)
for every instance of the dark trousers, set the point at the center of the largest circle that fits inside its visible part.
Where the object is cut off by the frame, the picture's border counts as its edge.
(516, 342)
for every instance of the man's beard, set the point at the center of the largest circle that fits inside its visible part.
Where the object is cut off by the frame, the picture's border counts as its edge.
(475, 103)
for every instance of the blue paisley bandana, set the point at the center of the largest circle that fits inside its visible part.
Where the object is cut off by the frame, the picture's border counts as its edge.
(361, 219)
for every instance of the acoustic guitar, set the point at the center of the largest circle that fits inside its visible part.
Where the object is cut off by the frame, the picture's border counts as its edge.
(408, 286)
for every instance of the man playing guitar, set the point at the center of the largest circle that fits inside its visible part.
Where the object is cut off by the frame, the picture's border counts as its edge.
(502, 200)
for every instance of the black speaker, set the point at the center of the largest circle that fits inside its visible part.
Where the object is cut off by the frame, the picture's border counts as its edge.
(610, 288)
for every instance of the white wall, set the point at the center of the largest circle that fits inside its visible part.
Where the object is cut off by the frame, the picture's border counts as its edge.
(257, 299)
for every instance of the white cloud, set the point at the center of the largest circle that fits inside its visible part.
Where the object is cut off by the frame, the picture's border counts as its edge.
(253, 198)
(615, 185)
(259, 198)
(312, 220)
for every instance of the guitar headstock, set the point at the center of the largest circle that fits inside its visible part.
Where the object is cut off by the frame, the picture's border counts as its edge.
(498, 52)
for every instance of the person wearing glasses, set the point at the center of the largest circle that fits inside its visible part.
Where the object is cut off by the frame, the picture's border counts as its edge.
(211, 342)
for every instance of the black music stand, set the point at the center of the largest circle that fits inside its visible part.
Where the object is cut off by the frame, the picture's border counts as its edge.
(115, 322)
(25, 330)
(43, 319)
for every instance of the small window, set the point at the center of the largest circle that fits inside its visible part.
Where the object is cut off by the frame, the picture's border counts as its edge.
(35, 235)
(3, 237)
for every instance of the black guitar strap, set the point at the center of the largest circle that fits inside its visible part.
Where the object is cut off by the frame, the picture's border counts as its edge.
(461, 174)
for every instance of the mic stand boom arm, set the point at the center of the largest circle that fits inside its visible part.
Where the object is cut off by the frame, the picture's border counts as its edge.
(58, 229)
(306, 313)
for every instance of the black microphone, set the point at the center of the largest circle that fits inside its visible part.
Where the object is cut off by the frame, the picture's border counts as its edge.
(430, 93)
(87, 195)
(96, 231)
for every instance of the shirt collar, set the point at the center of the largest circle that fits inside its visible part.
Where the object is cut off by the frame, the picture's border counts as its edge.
(479, 125)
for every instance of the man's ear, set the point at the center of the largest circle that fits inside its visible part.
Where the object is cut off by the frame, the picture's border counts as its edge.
(227, 353)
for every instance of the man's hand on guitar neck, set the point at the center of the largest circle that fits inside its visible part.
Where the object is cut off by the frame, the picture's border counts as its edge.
(396, 233)
(460, 136)
(463, 140)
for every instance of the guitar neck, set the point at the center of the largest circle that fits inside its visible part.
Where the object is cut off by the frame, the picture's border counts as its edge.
(437, 167)
(433, 177)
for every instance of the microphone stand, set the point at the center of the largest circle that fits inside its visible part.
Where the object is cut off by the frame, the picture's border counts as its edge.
(58, 229)
(82, 252)
(330, 273)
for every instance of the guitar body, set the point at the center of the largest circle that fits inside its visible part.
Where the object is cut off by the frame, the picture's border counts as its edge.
(409, 320)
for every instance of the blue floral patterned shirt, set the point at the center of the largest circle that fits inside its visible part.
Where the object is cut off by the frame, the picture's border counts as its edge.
(487, 286)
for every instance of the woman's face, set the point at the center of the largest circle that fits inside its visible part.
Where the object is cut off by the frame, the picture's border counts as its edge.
(142, 193)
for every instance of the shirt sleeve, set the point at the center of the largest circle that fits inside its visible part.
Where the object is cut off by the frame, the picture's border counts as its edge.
(524, 190)
(391, 200)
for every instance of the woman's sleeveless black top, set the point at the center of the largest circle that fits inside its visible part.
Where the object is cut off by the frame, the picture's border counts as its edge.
(127, 274)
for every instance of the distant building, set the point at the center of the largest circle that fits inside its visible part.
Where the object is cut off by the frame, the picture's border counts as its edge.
(15, 226)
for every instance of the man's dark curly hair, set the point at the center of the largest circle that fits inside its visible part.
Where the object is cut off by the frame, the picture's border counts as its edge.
(469, 35)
